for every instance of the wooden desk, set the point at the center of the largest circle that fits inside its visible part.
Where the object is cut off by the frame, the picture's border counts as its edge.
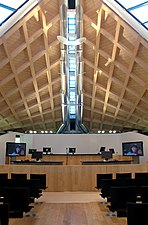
(107, 162)
(68, 159)
(72, 177)
(26, 162)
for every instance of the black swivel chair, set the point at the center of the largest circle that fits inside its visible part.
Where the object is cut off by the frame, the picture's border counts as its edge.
(18, 200)
(137, 213)
(42, 178)
(19, 176)
(4, 214)
(119, 197)
(123, 175)
(141, 175)
(101, 176)
(3, 175)
(144, 194)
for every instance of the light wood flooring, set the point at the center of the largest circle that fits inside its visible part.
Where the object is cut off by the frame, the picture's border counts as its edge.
(69, 208)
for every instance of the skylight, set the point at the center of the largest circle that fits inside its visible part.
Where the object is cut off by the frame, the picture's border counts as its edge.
(134, 12)
(138, 9)
(12, 11)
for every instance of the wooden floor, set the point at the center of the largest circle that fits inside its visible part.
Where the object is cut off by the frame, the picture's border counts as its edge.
(69, 209)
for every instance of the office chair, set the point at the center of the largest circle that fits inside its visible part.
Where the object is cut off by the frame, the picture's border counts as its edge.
(4, 214)
(136, 213)
(101, 176)
(3, 175)
(119, 197)
(123, 175)
(19, 176)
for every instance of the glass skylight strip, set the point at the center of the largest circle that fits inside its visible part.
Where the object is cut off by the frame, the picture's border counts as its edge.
(4, 13)
(137, 6)
(8, 8)
(138, 9)
(7, 19)
(121, 8)
(130, 3)
(141, 13)
(13, 3)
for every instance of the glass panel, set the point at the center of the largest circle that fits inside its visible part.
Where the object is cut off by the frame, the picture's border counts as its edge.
(4, 13)
(141, 13)
(130, 3)
(13, 4)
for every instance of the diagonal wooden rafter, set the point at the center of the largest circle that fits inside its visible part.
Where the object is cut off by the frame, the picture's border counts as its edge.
(126, 80)
(47, 58)
(33, 74)
(100, 18)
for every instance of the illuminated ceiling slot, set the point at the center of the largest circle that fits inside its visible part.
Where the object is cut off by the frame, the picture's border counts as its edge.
(72, 64)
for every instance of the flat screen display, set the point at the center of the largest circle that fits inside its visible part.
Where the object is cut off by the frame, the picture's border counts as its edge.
(15, 149)
(102, 148)
(72, 150)
(37, 155)
(106, 155)
(132, 148)
(31, 150)
(46, 150)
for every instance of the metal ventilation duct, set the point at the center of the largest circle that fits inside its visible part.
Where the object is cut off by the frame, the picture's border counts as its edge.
(71, 40)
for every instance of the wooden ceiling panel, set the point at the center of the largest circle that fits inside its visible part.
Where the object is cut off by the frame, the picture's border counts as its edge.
(102, 80)
(37, 45)
(14, 40)
(91, 8)
(143, 53)
(89, 31)
(20, 59)
(124, 58)
(87, 101)
(50, 9)
(54, 55)
(106, 45)
(140, 72)
(115, 81)
(53, 32)
(5, 71)
(24, 75)
(109, 23)
(33, 24)
(3, 54)
(40, 64)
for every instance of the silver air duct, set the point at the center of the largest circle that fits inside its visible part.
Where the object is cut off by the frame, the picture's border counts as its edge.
(71, 40)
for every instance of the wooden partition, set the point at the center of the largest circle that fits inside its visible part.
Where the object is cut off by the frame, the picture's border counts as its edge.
(70, 177)
(75, 159)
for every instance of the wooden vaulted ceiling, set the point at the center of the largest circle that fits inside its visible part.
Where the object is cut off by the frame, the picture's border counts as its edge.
(115, 71)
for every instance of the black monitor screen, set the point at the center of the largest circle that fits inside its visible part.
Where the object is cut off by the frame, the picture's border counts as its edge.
(46, 150)
(31, 150)
(102, 149)
(132, 148)
(112, 150)
(15, 149)
(37, 155)
(106, 155)
(72, 150)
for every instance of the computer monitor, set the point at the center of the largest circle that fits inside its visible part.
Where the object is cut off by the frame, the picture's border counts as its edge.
(106, 155)
(46, 150)
(15, 149)
(72, 150)
(37, 155)
(112, 150)
(31, 150)
(134, 148)
(102, 149)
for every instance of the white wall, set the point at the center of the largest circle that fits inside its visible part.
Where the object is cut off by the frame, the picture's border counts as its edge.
(9, 137)
(84, 143)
